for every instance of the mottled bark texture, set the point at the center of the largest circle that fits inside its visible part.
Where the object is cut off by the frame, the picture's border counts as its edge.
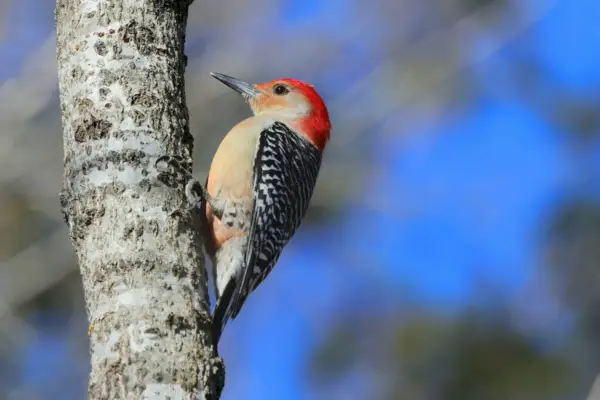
(121, 76)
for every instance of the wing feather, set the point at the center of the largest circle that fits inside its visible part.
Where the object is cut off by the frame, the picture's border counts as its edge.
(285, 172)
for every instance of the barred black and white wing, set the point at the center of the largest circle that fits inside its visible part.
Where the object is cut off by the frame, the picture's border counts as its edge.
(285, 171)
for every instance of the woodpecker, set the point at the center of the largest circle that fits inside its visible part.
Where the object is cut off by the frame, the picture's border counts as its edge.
(259, 186)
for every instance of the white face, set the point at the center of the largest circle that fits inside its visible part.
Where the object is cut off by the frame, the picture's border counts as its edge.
(281, 100)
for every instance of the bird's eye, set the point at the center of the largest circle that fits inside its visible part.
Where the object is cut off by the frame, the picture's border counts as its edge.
(280, 90)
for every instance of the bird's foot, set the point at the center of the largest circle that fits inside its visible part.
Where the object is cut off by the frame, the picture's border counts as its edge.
(195, 192)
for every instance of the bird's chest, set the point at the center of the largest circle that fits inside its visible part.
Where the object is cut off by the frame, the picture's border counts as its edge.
(231, 173)
(230, 181)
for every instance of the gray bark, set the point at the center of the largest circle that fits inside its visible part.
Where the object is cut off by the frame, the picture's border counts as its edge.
(121, 79)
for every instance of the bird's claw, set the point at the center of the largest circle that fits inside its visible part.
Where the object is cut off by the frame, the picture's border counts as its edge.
(194, 193)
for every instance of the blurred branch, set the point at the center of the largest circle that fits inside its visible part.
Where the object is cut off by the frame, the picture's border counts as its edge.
(28, 93)
(595, 392)
(35, 269)
(22, 98)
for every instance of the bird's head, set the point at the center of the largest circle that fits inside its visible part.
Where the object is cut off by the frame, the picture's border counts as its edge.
(290, 101)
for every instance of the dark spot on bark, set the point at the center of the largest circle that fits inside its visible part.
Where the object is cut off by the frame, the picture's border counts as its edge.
(178, 323)
(161, 51)
(90, 127)
(144, 100)
(178, 271)
(152, 331)
(144, 40)
(111, 31)
(153, 227)
(104, 91)
(84, 105)
(143, 37)
(129, 31)
(100, 34)
(127, 231)
(82, 215)
(91, 14)
(145, 185)
(118, 187)
(134, 157)
(107, 77)
(64, 205)
(137, 117)
(117, 50)
(144, 172)
(168, 179)
(101, 48)
(76, 73)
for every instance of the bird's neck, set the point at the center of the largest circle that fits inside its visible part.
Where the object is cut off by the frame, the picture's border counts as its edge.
(314, 127)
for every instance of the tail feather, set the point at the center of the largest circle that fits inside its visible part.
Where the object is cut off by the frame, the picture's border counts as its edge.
(222, 311)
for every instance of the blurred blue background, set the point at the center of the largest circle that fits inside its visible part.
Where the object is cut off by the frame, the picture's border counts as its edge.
(452, 247)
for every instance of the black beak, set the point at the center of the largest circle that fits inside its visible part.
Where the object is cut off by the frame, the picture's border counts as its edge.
(244, 88)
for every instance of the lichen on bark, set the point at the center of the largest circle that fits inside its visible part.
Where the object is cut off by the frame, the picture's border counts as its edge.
(121, 79)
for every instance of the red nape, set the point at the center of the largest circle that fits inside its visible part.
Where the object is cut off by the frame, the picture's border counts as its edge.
(316, 125)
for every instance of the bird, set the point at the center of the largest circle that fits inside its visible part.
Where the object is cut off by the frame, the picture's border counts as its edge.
(259, 186)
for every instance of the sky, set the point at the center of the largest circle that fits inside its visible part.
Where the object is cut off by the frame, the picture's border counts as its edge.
(476, 195)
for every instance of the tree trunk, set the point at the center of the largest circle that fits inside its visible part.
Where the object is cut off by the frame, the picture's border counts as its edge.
(121, 77)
